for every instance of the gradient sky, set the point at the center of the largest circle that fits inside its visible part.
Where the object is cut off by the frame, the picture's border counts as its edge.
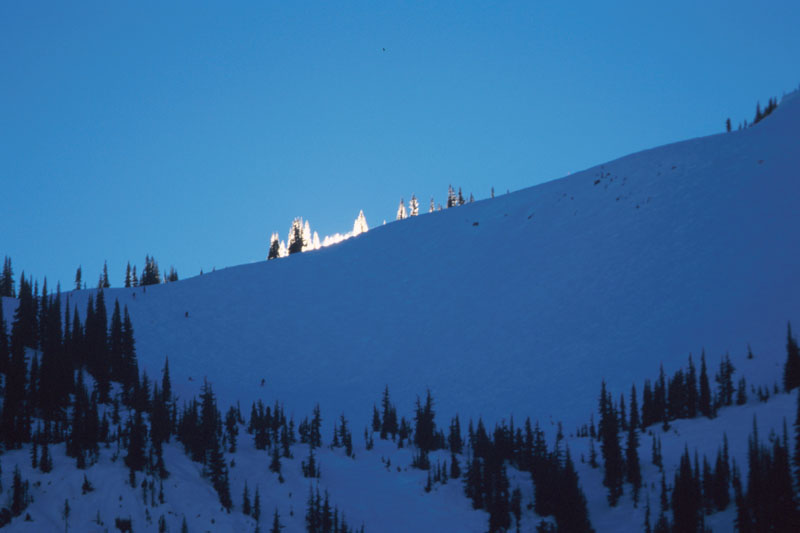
(191, 130)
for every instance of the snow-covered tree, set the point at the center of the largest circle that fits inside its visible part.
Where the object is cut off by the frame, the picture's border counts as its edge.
(452, 200)
(413, 206)
(295, 239)
(274, 247)
(315, 243)
(401, 210)
(433, 206)
(360, 225)
(307, 237)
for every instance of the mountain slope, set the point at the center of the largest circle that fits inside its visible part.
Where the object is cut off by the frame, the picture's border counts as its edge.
(499, 306)
(515, 305)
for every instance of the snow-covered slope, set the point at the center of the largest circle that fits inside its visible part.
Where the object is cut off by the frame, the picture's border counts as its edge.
(515, 305)
(504, 305)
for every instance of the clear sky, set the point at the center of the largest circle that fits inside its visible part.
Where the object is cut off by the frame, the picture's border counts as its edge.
(191, 130)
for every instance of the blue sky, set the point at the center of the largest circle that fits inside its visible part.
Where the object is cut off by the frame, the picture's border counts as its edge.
(191, 131)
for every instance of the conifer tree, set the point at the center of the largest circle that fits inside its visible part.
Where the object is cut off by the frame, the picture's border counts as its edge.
(413, 206)
(135, 459)
(614, 472)
(401, 211)
(275, 463)
(7, 279)
(246, 509)
(14, 422)
(572, 513)
(633, 471)
(451, 197)
(315, 436)
(78, 279)
(724, 380)
(257, 505)
(296, 237)
(797, 443)
(19, 493)
(791, 370)
(3, 343)
(691, 390)
(722, 477)
(274, 247)
(276, 523)
(104, 282)
(128, 275)
(129, 373)
(150, 274)
(389, 418)
(687, 498)
(704, 405)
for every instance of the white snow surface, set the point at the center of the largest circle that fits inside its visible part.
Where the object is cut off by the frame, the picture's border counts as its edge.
(685, 246)
(518, 305)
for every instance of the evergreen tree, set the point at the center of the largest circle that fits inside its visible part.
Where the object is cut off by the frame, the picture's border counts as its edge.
(4, 352)
(129, 373)
(275, 463)
(19, 493)
(451, 197)
(137, 434)
(296, 236)
(65, 513)
(150, 274)
(572, 514)
(648, 410)
(401, 211)
(610, 448)
(724, 380)
(315, 435)
(14, 420)
(128, 275)
(797, 443)
(276, 523)
(425, 430)
(791, 370)
(246, 508)
(46, 460)
(704, 405)
(218, 472)
(413, 206)
(687, 498)
(454, 440)
(274, 247)
(692, 398)
(7, 279)
(389, 419)
(633, 471)
(742, 522)
(257, 505)
(78, 279)
(115, 340)
(104, 281)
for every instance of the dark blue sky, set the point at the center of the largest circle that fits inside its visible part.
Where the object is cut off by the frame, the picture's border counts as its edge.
(192, 131)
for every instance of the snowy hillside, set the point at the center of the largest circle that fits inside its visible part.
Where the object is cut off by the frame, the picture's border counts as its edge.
(499, 305)
(518, 305)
